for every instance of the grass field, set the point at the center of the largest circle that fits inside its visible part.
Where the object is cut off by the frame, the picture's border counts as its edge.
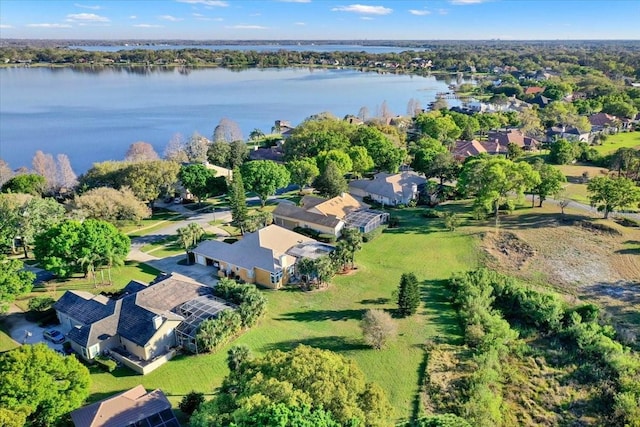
(620, 140)
(330, 318)
(575, 188)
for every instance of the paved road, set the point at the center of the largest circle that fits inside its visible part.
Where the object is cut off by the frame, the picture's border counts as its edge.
(591, 210)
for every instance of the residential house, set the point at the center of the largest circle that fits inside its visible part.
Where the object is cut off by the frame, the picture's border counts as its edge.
(464, 149)
(329, 216)
(141, 327)
(389, 189)
(603, 122)
(541, 101)
(264, 257)
(570, 133)
(135, 407)
(275, 153)
(514, 136)
(533, 90)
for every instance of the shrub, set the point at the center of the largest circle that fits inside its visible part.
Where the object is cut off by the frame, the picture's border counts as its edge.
(191, 402)
(430, 213)
(367, 237)
(394, 222)
(106, 364)
(326, 238)
(40, 304)
(307, 232)
(628, 222)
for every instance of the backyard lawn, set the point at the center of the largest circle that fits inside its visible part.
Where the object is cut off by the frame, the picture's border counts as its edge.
(620, 140)
(330, 318)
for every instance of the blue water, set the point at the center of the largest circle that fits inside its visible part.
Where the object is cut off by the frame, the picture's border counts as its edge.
(95, 115)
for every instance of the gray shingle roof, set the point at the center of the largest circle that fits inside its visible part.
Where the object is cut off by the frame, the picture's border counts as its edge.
(131, 316)
(84, 307)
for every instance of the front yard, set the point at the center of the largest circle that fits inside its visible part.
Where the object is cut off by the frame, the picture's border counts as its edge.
(330, 318)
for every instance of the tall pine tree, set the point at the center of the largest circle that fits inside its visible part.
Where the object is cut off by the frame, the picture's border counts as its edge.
(408, 294)
(238, 201)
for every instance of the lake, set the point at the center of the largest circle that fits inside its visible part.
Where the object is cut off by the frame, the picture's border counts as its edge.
(95, 114)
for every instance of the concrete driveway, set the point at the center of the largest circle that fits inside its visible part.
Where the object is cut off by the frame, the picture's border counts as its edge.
(200, 273)
(26, 332)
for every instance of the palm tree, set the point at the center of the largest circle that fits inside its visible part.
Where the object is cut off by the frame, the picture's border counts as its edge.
(196, 232)
(352, 239)
(237, 355)
(256, 134)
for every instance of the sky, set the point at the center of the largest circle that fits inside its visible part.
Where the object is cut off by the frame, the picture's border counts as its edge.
(321, 19)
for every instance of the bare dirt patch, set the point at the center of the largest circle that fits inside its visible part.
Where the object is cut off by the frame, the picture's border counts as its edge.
(588, 258)
(508, 249)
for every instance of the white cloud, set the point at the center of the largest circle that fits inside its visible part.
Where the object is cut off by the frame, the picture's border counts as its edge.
(248, 27)
(169, 18)
(443, 11)
(300, 24)
(133, 17)
(86, 17)
(256, 14)
(147, 26)
(217, 3)
(419, 12)
(88, 6)
(366, 18)
(49, 25)
(5, 26)
(294, 1)
(362, 8)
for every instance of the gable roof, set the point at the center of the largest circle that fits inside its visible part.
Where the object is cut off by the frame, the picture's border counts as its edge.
(132, 316)
(338, 206)
(261, 249)
(85, 307)
(464, 149)
(295, 212)
(126, 409)
(391, 186)
(602, 119)
(532, 90)
(513, 136)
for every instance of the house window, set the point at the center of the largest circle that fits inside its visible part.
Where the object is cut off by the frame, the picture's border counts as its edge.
(276, 277)
(250, 274)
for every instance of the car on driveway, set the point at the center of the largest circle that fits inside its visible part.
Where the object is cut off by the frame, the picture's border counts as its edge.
(54, 336)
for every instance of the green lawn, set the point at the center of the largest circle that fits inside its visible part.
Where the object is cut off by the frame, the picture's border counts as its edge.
(148, 226)
(330, 318)
(620, 140)
(6, 342)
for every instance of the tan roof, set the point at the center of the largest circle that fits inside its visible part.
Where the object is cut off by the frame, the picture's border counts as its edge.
(339, 206)
(464, 149)
(220, 171)
(261, 249)
(122, 409)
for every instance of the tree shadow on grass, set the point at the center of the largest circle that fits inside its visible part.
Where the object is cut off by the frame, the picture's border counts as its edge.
(322, 315)
(376, 301)
(630, 251)
(334, 343)
(435, 297)
(145, 268)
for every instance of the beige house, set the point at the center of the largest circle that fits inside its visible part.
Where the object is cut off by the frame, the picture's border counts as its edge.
(389, 189)
(135, 407)
(266, 257)
(140, 326)
(328, 216)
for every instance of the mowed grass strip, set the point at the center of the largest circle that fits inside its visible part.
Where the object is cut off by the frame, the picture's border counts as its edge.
(330, 318)
(619, 140)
